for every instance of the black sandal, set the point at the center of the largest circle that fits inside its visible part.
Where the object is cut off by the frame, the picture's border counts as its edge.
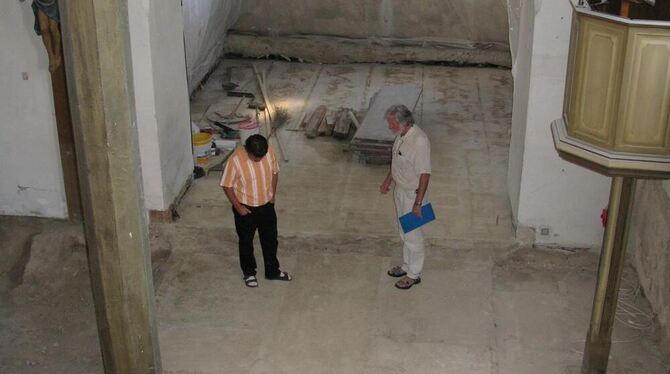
(407, 283)
(396, 272)
(251, 281)
(283, 276)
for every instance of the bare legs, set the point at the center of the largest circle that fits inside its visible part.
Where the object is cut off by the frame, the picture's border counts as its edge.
(51, 38)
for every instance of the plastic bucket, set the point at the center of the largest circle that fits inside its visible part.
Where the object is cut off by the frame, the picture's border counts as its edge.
(248, 128)
(202, 148)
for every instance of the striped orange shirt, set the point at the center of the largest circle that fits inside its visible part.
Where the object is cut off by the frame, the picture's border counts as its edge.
(251, 181)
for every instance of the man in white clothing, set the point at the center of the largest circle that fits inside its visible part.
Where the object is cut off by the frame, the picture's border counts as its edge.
(409, 177)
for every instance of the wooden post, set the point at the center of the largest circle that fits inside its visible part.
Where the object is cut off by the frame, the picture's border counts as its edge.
(612, 258)
(68, 155)
(625, 8)
(97, 58)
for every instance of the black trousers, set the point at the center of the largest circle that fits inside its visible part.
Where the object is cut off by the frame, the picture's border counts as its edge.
(263, 219)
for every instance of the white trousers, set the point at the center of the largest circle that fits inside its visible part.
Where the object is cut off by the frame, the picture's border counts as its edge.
(412, 242)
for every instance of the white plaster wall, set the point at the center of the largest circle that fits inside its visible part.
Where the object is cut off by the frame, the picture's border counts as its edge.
(205, 25)
(514, 16)
(553, 193)
(145, 108)
(31, 179)
(171, 96)
(161, 99)
(521, 46)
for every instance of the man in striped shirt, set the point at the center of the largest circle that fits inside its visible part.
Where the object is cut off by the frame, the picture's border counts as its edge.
(250, 183)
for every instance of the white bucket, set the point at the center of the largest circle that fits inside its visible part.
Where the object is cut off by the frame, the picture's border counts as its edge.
(202, 150)
(247, 129)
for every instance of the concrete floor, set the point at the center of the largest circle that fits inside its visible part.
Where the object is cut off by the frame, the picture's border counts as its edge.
(487, 304)
(466, 112)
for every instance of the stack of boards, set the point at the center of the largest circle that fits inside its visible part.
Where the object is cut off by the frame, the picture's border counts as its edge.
(373, 142)
(334, 123)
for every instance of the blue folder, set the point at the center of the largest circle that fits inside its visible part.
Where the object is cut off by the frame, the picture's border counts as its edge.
(410, 222)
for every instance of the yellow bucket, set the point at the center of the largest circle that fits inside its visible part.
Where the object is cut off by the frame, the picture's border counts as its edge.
(202, 147)
(202, 138)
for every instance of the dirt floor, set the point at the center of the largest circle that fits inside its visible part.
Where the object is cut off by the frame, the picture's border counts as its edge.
(479, 310)
(488, 302)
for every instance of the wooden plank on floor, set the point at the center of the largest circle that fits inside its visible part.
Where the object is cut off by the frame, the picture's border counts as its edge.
(374, 126)
(312, 129)
(342, 126)
(324, 129)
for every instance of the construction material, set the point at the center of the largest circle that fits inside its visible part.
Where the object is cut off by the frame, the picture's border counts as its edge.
(240, 94)
(226, 83)
(326, 128)
(260, 79)
(312, 128)
(342, 125)
(354, 120)
(373, 141)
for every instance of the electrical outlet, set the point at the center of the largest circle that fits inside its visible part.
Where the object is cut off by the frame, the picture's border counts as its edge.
(24, 76)
(545, 231)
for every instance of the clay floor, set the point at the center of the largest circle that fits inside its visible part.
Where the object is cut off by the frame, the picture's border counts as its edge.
(488, 303)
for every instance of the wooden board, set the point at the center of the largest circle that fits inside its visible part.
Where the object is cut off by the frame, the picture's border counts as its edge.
(374, 126)
(342, 125)
(326, 129)
(312, 129)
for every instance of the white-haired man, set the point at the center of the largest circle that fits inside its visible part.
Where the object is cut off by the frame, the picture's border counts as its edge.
(409, 175)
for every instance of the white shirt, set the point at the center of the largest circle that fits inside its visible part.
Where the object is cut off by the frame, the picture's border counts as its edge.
(411, 158)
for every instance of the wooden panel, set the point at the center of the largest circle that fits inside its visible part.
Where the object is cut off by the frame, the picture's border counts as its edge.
(644, 126)
(598, 72)
(570, 75)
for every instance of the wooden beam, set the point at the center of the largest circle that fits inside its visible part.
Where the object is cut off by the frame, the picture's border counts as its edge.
(97, 57)
(312, 129)
(625, 8)
(354, 120)
(68, 155)
(269, 109)
(343, 125)
(612, 260)
(328, 124)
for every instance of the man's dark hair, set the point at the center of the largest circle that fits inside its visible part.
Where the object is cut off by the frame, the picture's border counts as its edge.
(256, 145)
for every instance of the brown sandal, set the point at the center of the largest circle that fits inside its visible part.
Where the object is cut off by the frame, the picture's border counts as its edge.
(407, 283)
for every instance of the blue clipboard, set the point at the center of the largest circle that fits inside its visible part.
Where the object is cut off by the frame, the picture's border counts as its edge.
(409, 221)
